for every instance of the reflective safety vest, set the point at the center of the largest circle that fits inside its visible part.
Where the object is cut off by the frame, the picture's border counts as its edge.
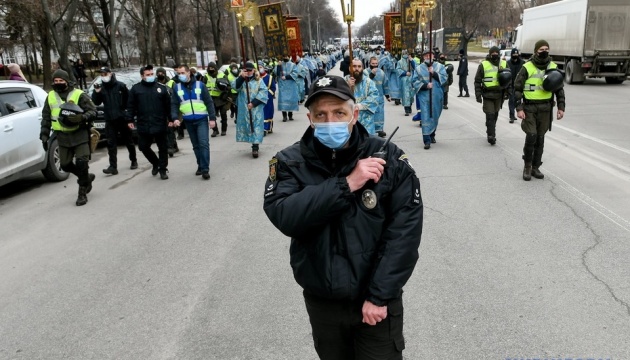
(491, 73)
(533, 89)
(191, 104)
(170, 83)
(231, 79)
(211, 84)
(54, 101)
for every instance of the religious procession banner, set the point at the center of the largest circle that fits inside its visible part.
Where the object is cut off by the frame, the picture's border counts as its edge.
(393, 33)
(274, 29)
(409, 28)
(294, 37)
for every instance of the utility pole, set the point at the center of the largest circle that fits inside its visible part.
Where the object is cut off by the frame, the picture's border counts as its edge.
(199, 39)
(318, 41)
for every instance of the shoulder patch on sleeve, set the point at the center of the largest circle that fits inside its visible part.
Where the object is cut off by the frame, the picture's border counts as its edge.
(273, 169)
(404, 158)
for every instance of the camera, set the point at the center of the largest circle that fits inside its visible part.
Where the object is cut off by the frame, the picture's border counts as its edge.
(97, 86)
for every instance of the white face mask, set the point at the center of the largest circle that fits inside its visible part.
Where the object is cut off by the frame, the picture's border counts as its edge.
(106, 79)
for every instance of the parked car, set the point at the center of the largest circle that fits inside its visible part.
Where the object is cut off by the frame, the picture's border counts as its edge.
(21, 150)
(128, 77)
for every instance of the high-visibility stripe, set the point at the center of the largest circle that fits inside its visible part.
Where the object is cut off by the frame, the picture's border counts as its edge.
(54, 102)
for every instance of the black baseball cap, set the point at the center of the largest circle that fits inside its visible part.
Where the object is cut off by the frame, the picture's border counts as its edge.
(333, 85)
(104, 69)
(249, 66)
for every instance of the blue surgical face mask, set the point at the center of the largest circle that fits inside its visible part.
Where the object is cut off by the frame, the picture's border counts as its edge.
(150, 79)
(405, 56)
(333, 135)
(182, 78)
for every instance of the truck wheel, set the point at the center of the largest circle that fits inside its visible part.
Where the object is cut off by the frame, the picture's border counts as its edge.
(53, 171)
(569, 74)
(615, 80)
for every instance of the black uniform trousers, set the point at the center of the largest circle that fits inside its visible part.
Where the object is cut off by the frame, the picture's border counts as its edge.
(537, 122)
(221, 109)
(112, 129)
(463, 86)
(145, 140)
(340, 334)
(82, 154)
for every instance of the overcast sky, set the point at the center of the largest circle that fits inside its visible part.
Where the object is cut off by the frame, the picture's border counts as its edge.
(364, 9)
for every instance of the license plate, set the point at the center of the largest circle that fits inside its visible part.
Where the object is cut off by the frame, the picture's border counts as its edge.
(610, 64)
(99, 125)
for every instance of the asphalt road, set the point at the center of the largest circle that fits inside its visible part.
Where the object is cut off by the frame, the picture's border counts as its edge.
(192, 269)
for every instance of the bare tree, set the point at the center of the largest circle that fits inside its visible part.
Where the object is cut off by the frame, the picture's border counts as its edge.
(61, 24)
(107, 35)
(141, 12)
(469, 15)
(214, 10)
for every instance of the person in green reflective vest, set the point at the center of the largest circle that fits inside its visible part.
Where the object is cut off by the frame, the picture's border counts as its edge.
(72, 130)
(487, 87)
(534, 105)
(219, 91)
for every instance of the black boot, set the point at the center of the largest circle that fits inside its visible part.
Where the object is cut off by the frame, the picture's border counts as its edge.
(223, 129)
(255, 151)
(215, 132)
(110, 171)
(290, 116)
(89, 187)
(82, 199)
(527, 171)
(537, 174)
(284, 116)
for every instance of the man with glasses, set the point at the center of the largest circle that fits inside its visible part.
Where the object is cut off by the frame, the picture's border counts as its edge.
(355, 221)
(192, 99)
(534, 106)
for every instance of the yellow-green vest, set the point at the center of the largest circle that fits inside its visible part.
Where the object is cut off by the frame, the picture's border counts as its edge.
(491, 73)
(211, 84)
(191, 105)
(170, 83)
(54, 101)
(533, 89)
(231, 79)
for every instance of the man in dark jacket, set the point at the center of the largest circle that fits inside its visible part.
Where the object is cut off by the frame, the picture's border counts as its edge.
(150, 103)
(462, 72)
(344, 66)
(113, 94)
(73, 130)
(515, 64)
(355, 221)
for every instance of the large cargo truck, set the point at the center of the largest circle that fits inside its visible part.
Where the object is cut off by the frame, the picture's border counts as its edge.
(449, 41)
(587, 38)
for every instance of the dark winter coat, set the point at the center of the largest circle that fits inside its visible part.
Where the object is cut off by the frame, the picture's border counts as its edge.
(462, 68)
(150, 104)
(340, 249)
(113, 95)
(74, 138)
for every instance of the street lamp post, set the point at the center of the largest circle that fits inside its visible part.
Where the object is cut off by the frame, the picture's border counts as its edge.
(347, 9)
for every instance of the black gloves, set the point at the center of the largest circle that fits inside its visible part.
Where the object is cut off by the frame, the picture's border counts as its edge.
(44, 140)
